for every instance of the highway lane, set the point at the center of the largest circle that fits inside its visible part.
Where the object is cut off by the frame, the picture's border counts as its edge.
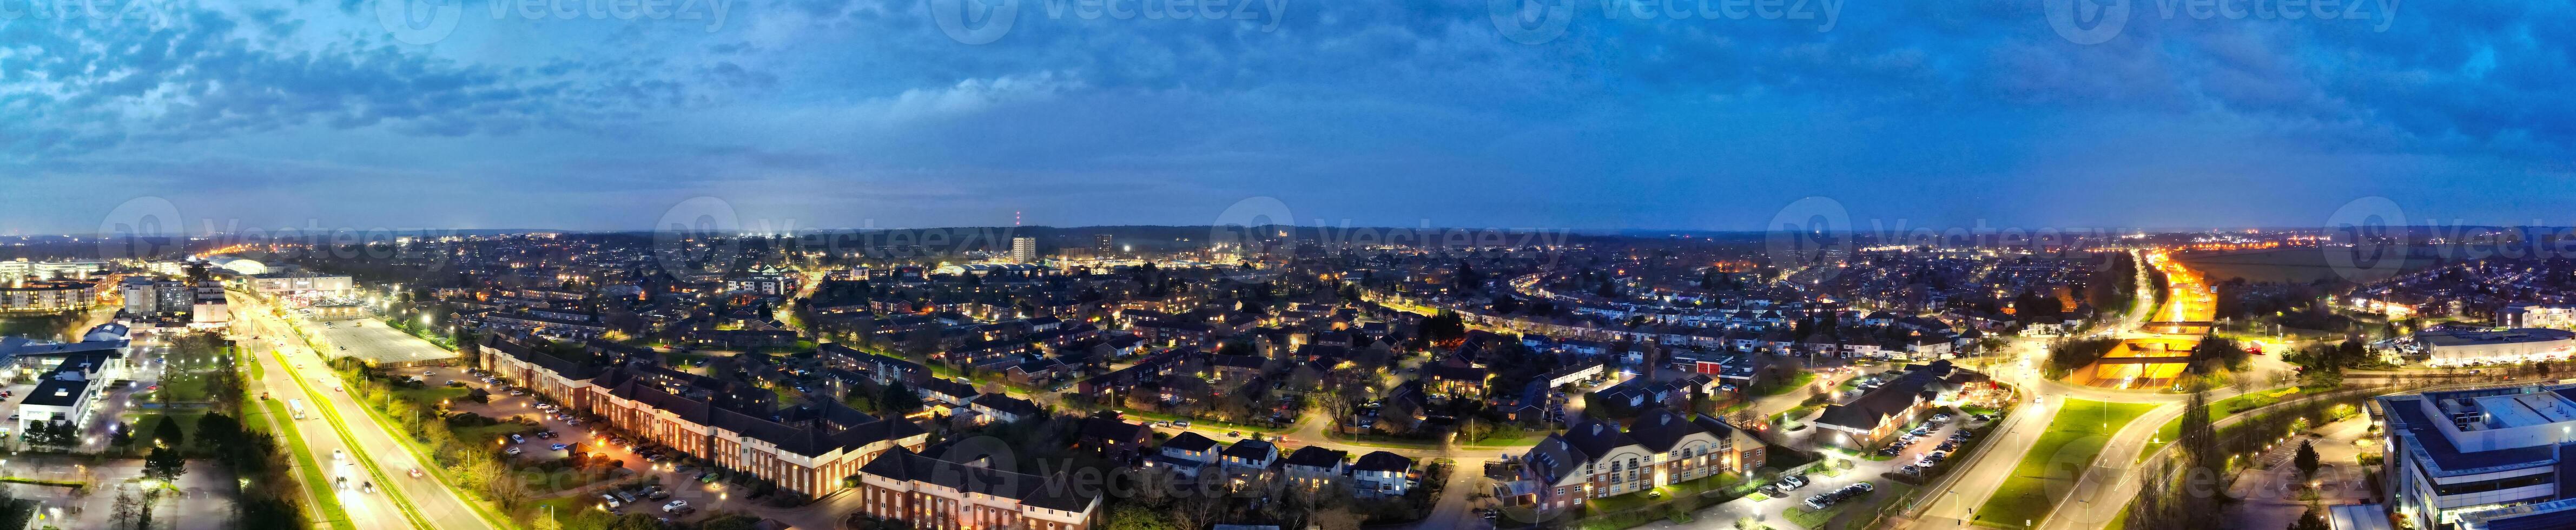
(434, 501)
(370, 511)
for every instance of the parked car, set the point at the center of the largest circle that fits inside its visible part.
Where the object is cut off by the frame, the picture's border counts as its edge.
(674, 506)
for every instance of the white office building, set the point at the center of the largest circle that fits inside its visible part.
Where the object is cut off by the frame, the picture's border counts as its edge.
(2490, 459)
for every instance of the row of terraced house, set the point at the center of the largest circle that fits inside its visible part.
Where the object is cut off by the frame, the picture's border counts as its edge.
(815, 449)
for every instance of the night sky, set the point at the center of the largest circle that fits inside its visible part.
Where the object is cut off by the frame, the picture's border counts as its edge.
(1580, 114)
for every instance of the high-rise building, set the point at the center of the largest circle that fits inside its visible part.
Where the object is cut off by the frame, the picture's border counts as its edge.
(1100, 245)
(1024, 249)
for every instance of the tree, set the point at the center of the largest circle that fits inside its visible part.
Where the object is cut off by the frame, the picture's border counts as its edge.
(1336, 518)
(635, 521)
(899, 400)
(546, 521)
(2307, 459)
(123, 437)
(1136, 516)
(2310, 520)
(165, 433)
(126, 507)
(2201, 457)
(164, 464)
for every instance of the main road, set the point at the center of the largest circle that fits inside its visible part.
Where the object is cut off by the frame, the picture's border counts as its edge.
(336, 421)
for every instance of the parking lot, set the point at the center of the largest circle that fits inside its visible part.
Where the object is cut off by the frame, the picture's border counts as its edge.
(1776, 503)
(678, 480)
(371, 340)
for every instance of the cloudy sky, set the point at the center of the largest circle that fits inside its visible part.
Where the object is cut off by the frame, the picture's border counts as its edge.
(1685, 114)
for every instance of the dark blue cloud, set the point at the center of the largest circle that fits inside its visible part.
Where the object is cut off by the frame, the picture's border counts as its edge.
(1376, 112)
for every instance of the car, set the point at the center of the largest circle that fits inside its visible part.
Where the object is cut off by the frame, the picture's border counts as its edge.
(1910, 470)
(338, 455)
(609, 501)
(658, 495)
(1945, 446)
(517, 439)
(514, 451)
(1234, 434)
(415, 472)
(619, 440)
(707, 477)
(340, 483)
(675, 505)
(369, 487)
(455, 383)
(1182, 424)
(557, 447)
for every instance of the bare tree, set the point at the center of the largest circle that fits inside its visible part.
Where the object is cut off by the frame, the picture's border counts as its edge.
(125, 509)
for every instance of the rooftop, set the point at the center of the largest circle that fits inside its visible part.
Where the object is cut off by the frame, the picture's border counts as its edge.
(2510, 336)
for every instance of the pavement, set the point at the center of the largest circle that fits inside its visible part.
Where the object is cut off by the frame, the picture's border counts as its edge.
(202, 499)
(372, 340)
(2272, 497)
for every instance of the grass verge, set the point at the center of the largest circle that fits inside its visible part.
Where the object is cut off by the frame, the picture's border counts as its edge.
(310, 473)
(2046, 473)
(2217, 411)
(331, 414)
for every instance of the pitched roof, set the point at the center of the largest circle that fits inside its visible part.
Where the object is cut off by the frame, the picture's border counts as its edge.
(1382, 461)
(1190, 441)
(1007, 405)
(1316, 457)
(1033, 490)
(1250, 450)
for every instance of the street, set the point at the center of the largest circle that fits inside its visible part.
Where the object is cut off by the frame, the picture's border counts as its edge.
(374, 455)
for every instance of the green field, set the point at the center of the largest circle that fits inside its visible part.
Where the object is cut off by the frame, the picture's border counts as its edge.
(2299, 265)
(2049, 471)
(2217, 411)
